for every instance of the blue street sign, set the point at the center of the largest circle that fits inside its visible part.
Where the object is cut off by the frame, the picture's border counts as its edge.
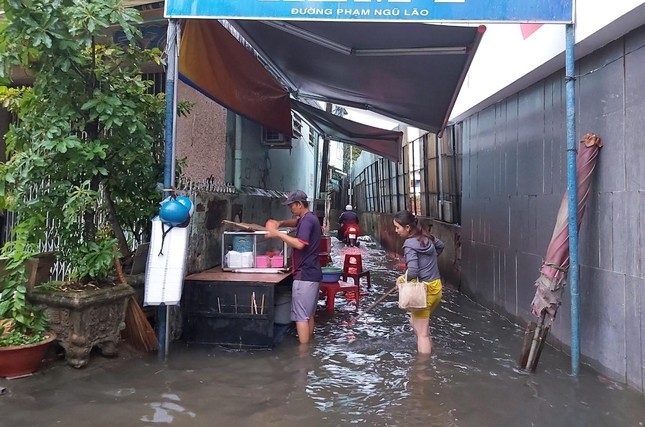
(476, 11)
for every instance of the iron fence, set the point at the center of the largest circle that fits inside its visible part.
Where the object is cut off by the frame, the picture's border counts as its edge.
(427, 180)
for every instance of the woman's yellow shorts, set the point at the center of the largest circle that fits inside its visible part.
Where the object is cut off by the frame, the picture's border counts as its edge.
(433, 298)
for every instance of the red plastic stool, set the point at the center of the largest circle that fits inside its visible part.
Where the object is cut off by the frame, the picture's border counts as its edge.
(324, 259)
(330, 289)
(353, 267)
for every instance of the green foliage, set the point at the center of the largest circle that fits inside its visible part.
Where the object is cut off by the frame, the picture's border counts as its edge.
(29, 322)
(94, 259)
(89, 134)
(15, 338)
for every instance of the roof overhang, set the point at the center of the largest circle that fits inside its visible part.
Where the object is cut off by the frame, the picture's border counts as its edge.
(410, 72)
(212, 61)
(385, 143)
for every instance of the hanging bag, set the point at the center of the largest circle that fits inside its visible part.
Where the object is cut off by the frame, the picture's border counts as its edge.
(412, 294)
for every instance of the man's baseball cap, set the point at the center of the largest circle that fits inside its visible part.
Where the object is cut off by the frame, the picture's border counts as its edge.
(295, 196)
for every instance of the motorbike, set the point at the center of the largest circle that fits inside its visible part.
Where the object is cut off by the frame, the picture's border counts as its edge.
(351, 235)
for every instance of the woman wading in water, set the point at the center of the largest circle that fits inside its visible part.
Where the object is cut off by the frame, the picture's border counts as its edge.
(420, 251)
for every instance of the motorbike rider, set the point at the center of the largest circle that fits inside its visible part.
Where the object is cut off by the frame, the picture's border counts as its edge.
(348, 217)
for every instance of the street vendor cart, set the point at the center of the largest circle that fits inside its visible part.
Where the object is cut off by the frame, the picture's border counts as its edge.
(234, 309)
(241, 302)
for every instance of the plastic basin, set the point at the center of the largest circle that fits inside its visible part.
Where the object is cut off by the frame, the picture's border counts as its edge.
(331, 274)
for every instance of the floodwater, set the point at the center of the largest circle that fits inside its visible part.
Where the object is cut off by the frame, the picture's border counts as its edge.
(368, 374)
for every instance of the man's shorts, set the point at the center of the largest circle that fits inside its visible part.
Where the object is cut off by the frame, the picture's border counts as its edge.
(433, 298)
(304, 299)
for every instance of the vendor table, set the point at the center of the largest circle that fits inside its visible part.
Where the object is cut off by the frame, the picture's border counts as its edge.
(232, 309)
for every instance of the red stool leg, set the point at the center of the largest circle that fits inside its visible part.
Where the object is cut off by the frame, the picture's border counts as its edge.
(331, 297)
(354, 278)
(331, 300)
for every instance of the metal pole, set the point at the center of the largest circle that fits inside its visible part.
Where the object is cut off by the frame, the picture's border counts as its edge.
(169, 158)
(317, 172)
(324, 171)
(425, 189)
(400, 171)
(350, 183)
(572, 192)
(456, 199)
(437, 143)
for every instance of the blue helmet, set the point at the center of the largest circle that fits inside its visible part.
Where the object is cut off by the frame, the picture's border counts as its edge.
(188, 203)
(173, 212)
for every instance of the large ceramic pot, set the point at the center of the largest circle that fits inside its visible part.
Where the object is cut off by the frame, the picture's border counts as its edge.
(86, 319)
(22, 360)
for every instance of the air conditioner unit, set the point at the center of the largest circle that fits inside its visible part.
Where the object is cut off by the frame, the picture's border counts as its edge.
(275, 139)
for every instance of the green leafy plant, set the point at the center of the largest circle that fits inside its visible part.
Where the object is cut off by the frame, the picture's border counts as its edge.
(86, 151)
(21, 322)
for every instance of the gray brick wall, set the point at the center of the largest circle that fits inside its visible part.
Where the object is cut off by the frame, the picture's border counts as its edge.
(514, 178)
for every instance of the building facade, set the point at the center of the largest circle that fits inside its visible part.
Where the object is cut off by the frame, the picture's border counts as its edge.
(513, 127)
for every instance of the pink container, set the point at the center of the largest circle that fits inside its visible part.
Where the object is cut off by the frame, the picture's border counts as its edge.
(261, 261)
(277, 261)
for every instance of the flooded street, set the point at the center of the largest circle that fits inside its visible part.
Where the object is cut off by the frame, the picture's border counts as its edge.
(368, 374)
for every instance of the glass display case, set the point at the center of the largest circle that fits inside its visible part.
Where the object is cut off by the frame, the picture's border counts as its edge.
(253, 252)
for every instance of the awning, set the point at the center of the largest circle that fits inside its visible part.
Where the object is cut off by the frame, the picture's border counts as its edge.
(409, 72)
(385, 143)
(212, 61)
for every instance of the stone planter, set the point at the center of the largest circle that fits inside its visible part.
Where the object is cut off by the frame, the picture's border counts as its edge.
(82, 320)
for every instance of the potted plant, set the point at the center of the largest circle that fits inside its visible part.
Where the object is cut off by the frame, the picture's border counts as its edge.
(84, 156)
(24, 334)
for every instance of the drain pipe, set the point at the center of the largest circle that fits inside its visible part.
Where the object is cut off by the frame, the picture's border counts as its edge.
(237, 162)
(572, 192)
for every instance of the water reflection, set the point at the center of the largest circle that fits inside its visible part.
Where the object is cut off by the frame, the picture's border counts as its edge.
(371, 374)
(166, 410)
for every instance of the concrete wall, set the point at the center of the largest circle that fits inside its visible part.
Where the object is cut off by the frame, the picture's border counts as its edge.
(513, 56)
(201, 136)
(514, 176)
(263, 166)
(206, 146)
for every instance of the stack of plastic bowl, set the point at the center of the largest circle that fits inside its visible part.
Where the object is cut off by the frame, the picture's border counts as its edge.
(331, 274)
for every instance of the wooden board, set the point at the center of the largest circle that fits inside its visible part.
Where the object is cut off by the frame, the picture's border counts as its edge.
(217, 275)
(140, 259)
(246, 226)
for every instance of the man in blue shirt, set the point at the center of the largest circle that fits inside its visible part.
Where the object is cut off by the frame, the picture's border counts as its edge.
(307, 273)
